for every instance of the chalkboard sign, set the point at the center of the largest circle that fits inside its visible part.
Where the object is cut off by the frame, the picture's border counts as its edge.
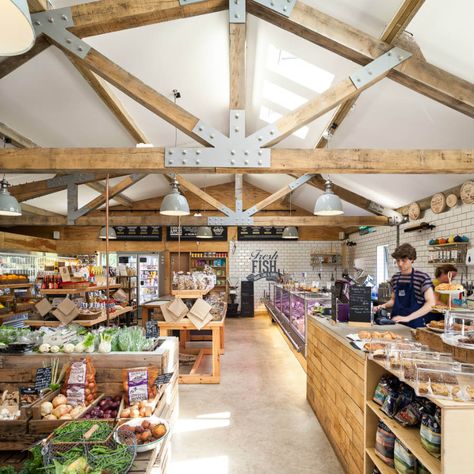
(152, 329)
(333, 304)
(28, 391)
(164, 378)
(190, 233)
(260, 233)
(360, 309)
(139, 232)
(42, 378)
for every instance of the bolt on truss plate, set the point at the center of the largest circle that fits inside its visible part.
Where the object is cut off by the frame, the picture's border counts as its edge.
(283, 7)
(263, 136)
(236, 11)
(237, 124)
(53, 23)
(379, 66)
(210, 134)
(222, 157)
(237, 219)
(300, 181)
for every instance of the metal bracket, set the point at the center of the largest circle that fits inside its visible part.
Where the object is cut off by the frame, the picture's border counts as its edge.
(379, 66)
(183, 3)
(236, 219)
(53, 23)
(300, 181)
(77, 178)
(72, 202)
(283, 7)
(237, 11)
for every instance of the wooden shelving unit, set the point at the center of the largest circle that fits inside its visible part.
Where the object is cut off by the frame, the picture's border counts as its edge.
(15, 307)
(210, 258)
(381, 466)
(77, 291)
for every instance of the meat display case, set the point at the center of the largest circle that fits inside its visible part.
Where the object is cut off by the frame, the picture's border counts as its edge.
(290, 310)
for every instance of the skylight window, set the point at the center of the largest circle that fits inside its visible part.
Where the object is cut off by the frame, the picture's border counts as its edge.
(270, 116)
(280, 95)
(298, 70)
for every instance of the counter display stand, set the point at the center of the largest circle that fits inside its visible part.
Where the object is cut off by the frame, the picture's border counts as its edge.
(19, 370)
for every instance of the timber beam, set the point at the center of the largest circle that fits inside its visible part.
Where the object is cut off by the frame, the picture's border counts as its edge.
(286, 161)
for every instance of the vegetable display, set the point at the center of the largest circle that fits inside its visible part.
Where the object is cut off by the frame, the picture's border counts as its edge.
(107, 408)
(146, 432)
(74, 431)
(79, 384)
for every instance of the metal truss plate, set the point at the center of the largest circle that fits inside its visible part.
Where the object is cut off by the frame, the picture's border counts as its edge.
(236, 11)
(237, 219)
(222, 157)
(188, 2)
(283, 7)
(379, 66)
(237, 124)
(300, 181)
(210, 134)
(263, 136)
(77, 178)
(53, 23)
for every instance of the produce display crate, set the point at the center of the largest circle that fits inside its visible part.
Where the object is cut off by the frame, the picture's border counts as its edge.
(94, 404)
(63, 445)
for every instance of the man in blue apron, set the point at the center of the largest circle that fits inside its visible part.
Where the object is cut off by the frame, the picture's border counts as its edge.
(412, 291)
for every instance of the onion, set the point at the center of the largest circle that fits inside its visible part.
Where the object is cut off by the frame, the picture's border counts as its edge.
(59, 400)
(46, 408)
(60, 411)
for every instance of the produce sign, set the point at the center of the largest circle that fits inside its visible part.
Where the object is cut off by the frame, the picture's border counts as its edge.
(152, 329)
(190, 233)
(139, 232)
(260, 233)
(42, 378)
(164, 378)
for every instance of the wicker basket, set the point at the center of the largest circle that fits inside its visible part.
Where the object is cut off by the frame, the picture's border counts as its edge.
(76, 285)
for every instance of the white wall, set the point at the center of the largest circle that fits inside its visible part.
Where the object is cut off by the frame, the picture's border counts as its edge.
(293, 257)
(459, 220)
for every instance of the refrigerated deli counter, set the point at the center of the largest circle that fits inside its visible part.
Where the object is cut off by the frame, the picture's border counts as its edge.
(291, 308)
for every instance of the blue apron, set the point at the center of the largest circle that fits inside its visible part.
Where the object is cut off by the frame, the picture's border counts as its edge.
(406, 303)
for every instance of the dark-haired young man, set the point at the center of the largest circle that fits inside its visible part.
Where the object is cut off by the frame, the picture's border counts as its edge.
(412, 290)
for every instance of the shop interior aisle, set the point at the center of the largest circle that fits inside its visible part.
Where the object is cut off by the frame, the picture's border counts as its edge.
(257, 420)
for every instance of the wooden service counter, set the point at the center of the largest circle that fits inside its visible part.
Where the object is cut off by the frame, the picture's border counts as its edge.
(18, 370)
(340, 384)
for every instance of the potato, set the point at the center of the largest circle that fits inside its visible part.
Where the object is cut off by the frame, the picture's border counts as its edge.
(125, 413)
(159, 430)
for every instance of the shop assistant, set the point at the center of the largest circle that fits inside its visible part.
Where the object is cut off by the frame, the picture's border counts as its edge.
(412, 291)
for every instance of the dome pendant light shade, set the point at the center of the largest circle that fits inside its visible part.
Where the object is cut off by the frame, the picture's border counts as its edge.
(174, 203)
(16, 30)
(329, 204)
(204, 232)
(290, 233)
(103, 233)
(9, 206)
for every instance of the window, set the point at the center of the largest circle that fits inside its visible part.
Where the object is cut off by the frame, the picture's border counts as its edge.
(382, 263)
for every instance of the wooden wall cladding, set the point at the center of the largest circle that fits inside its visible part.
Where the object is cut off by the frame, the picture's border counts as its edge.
(9, 241)
(335, 391)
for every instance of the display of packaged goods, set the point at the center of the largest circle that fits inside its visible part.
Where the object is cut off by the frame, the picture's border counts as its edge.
(380, 349)
(395, 351)
(194, 281)
(410, 360)
(459, 329)
(445, 380)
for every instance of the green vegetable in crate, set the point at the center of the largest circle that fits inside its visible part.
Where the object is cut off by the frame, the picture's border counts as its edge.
(111, 461)
(74, 431)
(79, 466)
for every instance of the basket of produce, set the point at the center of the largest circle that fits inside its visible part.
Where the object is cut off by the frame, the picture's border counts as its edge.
(70, 433)
(149, 432)
(106, 408)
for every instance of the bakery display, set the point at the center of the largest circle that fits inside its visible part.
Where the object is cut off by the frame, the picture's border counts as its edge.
(449, 287)
(384, 335)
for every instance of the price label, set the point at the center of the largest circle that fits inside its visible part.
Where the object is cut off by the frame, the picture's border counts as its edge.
(28, 391)
(164, 378)
(42, 378)
(152, 330)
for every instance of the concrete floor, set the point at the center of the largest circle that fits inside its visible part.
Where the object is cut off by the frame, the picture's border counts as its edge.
(257, 420)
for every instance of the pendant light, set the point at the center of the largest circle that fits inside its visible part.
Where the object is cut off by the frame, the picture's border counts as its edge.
(204, 232)
(16, 30)
(328, 204)
(103, 233)
(9, 206)
(290, 232)
(174, 203)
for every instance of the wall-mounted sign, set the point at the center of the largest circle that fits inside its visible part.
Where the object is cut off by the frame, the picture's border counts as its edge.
(260, 233)
(190, 233)
(264, 265)
(138, 232)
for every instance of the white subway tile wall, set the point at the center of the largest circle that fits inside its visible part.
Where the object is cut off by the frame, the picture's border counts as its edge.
(293, 258)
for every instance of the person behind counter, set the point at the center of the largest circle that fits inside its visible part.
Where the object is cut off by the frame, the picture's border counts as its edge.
(412, 290)
(443, 273)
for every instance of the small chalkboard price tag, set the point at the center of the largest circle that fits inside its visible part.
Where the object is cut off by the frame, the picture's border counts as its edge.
(28, 391)
(360, 309)
(164, 378)
(152, 330)
(42, 378)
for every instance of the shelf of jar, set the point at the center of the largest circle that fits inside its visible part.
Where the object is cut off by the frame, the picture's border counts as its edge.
(454, 244)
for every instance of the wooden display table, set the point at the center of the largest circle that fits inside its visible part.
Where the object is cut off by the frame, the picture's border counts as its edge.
(340, 385)
(149, 308)
(217, 345)
(82, 322)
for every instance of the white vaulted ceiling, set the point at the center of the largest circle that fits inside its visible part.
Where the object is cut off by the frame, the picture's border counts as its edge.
(48, 101)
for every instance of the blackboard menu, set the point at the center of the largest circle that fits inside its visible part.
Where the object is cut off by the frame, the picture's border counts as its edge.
(152, 329)
(164, 378)
(190, 233)
(42, 378)
(260, 233)
(360, 309)
(139, 232)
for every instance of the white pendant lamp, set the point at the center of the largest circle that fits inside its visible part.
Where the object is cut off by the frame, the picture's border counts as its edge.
(204, 232)
(290, 233)
(9, 206)
(328, 204)
(174, 203)
(16, 30)
(103, 233)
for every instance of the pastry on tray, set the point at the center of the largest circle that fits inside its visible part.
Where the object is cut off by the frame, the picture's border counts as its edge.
(423, 388)
(470, 392)
(440, 389)
(386, 335)
(449, 287)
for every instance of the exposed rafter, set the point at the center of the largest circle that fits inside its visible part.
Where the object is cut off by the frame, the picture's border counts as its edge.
(286, 161)
(237, 33)
(37, 5)
(120, 198)
(358, 46)
(17, 139)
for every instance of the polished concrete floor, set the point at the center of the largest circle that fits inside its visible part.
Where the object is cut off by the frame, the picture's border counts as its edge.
(257, 420)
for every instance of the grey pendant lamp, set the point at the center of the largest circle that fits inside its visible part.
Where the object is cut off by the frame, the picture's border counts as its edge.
(174, 203)
(204, 232)
(16, 30)
(103, 233)
(9, 206)
(290, 232)
(328, 204)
